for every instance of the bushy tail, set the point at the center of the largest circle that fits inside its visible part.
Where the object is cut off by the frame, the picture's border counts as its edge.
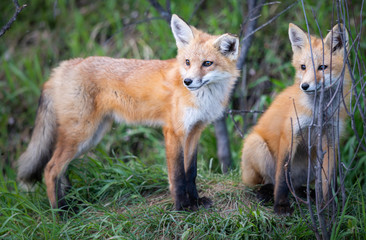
(32, 162)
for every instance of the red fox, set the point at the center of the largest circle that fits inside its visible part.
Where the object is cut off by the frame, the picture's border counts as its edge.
(84, 96)
(281, 133)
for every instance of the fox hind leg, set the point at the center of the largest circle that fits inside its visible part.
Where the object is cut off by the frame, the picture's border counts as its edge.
(67, 148)
(256, 160)
(258, 166)
(57, 184)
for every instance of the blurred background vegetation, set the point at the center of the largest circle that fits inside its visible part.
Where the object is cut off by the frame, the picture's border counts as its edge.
(47, 32)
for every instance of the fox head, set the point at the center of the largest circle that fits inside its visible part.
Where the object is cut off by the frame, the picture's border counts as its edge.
(204, 59)
(326, 65)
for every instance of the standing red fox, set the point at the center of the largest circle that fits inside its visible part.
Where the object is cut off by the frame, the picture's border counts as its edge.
(281, 134)
(84, 96)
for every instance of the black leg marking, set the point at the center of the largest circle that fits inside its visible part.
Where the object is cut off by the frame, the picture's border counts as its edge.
(265, 193)
(63, 186)
(205, 202)
(282, 204)
(194, 199)
(180, 192)
(191, 175)
(61, 203)
(301, 192)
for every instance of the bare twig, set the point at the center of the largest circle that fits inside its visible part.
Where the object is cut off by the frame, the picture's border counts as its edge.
(165, 13)
(310, 129)
(106, 42)
(236, 126)
(242, 59)
(319, 151)
(252, 16)
(18, 9)
(223, 144)
(241, 112)
(236, 112)
(254, 8)
(196, 7)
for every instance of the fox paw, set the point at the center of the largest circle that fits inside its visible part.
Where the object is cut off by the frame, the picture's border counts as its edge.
(283, 209)
(205, 202)
(183, 206)
(193, 205)
(265, 193)
(302, 193)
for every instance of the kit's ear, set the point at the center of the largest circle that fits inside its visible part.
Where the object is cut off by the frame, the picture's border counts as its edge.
(337, 39)
(228, 45)
(298, 38)
(182, 32)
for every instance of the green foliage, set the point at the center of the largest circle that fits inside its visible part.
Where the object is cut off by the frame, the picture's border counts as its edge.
(121, 186)
(352, 225)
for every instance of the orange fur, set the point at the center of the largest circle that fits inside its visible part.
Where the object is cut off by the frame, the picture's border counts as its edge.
(286, 122)
(84, 96)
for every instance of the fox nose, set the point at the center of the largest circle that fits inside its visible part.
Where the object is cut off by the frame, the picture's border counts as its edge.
(305, 86)
(187, 81)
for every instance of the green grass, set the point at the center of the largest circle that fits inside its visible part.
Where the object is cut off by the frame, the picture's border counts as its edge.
(121, 186)
(128, 199)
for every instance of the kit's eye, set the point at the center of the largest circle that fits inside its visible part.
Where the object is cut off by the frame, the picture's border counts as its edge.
(322, 67)
(303, 67)
(188, 63)
(207, 63)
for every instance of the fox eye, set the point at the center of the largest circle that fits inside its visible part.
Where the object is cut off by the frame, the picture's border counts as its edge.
(322, 67)
(207, 63)
(303, 67)
(188, 62)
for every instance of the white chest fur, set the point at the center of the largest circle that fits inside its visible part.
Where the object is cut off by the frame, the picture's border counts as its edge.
(330, 116)
(210, 104)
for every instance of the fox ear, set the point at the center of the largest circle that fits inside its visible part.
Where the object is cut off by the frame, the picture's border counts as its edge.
(228, 45)
(298, 37)
(181, 30)
(337, 38)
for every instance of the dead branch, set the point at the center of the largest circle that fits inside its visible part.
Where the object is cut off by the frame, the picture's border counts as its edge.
(241, 58)
(18, 9)
(221, 132)
(164, 12)
(196, 7)
(236, 112)
(254, 9)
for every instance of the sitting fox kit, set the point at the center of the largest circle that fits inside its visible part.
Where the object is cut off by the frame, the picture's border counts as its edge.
(84, 96)
(281, 133)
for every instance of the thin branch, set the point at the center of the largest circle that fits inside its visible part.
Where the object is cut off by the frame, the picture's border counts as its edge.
(106, 42)
(312, 216)
(241, 58)
(249, 17)
(236, 126)
(196, 7)
(254, 8)
(165, 13)
(236, 112)
(18, 9)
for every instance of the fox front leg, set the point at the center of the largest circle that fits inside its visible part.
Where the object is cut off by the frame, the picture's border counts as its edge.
(281, 190)
(176, 174)
(190, 165)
